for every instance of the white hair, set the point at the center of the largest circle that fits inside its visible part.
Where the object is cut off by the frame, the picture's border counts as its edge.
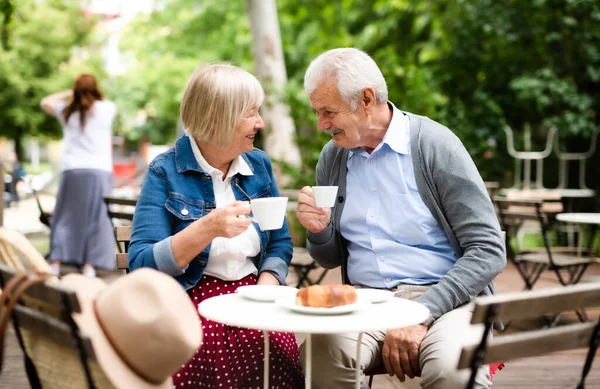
(353, 70)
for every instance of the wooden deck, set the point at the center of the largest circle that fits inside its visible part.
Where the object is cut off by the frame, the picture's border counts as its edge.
(559, 370)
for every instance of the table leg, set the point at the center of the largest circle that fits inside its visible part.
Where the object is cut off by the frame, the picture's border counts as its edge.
(357, 376)
(308, 358)
(266, 360)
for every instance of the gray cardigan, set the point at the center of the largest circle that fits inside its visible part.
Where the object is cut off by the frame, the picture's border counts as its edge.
(452, 189)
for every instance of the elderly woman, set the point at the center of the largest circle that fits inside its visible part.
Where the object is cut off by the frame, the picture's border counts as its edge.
(188, 223)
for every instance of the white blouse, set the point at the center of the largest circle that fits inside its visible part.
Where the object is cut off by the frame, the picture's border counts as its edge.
(229, 258)
(92, 147)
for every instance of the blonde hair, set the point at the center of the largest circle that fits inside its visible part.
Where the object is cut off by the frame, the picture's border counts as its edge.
(215, 100)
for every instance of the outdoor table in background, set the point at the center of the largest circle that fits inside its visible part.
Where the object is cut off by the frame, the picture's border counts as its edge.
(236, 310)
(587, 218)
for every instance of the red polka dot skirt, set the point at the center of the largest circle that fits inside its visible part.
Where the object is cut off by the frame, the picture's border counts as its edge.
(232, 357)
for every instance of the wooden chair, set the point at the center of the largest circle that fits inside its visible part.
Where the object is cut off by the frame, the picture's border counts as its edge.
(529, 304)
(492, 187)
(18, 253)
(531, 263)
(123, 236)
(57, 354)
(302, 264)
(120, 211)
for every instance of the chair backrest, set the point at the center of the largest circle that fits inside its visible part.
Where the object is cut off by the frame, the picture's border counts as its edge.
(19, 254)
(120, 212)
(513, 213)
(120, 208)
(123, 236)
(492, 187)
(62, 356)
(529, 304)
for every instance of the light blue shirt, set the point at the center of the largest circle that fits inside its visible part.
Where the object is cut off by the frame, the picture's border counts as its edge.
(392, 236)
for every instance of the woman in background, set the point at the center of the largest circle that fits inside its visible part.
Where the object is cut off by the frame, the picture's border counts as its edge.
(81, 232)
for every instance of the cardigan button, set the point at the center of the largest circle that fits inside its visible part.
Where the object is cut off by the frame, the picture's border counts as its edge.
(341, 199)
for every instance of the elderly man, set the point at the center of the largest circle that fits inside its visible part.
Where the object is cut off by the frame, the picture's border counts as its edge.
(412, 216)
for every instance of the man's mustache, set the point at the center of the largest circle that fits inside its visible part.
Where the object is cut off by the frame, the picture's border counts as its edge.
(333, 131)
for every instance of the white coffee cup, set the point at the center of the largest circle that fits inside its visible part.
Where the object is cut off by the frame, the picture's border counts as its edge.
(269, 212)
(325, 195)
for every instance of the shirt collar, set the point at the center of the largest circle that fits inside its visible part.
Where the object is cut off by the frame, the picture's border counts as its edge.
(396, 135)
(238, 165)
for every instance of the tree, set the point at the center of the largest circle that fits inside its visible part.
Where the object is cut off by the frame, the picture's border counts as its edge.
(165, 47)
(169, 43)
(38, 38)
(270, 68)
(517, 63)
(473, 66)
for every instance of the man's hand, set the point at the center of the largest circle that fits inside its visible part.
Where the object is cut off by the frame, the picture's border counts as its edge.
(401, 351)
(230, 221)
(312, 218)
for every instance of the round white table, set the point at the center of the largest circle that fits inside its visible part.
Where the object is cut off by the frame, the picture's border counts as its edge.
(581, 218)
(236, 310)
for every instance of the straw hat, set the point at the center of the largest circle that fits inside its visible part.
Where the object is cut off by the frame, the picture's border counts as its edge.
(143, 326)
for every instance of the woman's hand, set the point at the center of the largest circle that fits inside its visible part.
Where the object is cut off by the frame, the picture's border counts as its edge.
(230, 221)
(267, 278)
(227, 222)
(49, 103)
(312, 218)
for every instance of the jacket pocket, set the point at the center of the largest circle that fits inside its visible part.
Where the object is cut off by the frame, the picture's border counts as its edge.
(184, 209)
(263, 192)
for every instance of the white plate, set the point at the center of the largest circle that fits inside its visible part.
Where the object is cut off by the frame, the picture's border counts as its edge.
(266, 292)
(290, 303)
(375, 295)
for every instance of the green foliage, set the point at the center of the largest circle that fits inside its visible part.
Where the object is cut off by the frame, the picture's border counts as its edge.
(471, 65)
(35, 60)
(519, 62)
(397, 34)
(167, 46)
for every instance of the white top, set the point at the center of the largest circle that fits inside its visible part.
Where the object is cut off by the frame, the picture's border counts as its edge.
(229, 259)
(236, 310)
(92, 147)
(581, 218)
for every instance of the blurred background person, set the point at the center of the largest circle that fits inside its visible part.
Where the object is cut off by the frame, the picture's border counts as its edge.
(190, 222)
(81, 232)
(13, 175)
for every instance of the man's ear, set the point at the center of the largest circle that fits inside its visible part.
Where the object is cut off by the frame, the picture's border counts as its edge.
(368, 99)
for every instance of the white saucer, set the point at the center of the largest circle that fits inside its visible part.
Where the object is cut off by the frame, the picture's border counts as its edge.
(375, 295)
(266, 292)
(290, 303)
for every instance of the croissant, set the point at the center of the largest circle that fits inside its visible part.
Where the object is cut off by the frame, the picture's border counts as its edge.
(326, 296)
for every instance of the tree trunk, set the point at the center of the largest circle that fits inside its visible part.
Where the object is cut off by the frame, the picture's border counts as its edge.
(19, 145)
(7, 9)
(279, 132)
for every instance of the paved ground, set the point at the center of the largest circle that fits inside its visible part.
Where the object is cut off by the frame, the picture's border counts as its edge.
(24, 215)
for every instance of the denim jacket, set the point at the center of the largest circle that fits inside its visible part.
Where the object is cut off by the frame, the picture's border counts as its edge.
(174, 182)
